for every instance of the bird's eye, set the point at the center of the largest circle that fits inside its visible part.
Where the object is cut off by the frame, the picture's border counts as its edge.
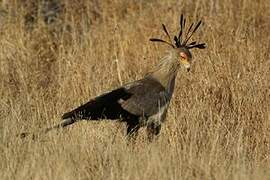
(183, 55)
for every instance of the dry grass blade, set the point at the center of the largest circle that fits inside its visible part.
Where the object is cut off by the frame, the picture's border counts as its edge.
(217, 126)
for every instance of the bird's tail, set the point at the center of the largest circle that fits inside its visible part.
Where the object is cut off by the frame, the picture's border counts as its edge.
(62, 124)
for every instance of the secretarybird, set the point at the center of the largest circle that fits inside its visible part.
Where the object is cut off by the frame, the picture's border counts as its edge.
(143, 102)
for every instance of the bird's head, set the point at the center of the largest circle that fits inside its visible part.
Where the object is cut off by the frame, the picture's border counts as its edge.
(184, 57)
(181, 47)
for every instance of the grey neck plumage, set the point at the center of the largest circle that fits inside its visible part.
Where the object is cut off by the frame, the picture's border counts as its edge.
(166, 71)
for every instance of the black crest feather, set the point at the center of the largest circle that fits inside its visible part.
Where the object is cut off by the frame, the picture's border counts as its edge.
(180, 40)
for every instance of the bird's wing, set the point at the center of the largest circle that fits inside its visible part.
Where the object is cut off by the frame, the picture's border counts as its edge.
(140, 98)
(148, 96)
(103, 106)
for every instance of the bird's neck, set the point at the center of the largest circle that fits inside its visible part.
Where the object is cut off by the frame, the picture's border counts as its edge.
(165, 72)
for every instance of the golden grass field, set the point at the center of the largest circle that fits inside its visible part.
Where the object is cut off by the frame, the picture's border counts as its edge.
(218, 123)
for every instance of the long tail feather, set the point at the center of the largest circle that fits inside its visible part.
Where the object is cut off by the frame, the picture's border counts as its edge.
(62, 124)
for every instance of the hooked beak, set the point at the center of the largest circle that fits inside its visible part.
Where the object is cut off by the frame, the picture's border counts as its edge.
(186, 65)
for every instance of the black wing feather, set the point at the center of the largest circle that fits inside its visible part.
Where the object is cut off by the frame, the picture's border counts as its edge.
(140, 98)
(104, 106)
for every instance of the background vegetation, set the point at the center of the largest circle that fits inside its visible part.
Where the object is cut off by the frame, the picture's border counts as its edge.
(56, 55)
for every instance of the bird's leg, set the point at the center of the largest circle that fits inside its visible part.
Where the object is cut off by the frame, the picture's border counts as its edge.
(132, 130)
(153, 129)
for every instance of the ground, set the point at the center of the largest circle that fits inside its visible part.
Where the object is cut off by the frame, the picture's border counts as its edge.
(218, 123)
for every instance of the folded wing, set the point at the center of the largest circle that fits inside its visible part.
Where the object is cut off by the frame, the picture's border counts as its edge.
(141, 98)
(101, 107)
(146, 99)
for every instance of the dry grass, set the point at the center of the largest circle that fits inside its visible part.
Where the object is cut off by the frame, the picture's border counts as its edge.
(218, 125)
